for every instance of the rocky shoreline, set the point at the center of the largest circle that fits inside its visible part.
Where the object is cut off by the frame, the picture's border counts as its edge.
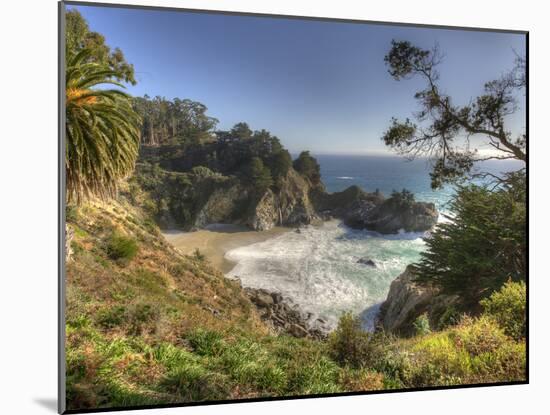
(285, 316)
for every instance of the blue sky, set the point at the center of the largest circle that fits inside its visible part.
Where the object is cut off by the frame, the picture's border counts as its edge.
(321, 86)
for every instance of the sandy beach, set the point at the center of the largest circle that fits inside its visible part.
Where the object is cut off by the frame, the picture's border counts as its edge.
(216, 240)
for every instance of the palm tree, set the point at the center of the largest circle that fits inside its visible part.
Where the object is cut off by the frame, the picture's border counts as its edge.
(102, 130)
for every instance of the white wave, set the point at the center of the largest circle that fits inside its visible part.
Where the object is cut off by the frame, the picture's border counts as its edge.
(345, 178)
(318, 267)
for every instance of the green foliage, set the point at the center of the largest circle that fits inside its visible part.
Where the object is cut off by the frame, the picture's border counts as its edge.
(78, 37)
(450, 317)
(101, 129)
(422, 325)
(205, 342)
(201, 171)
(307, 166)
(241, 131)
(111, 317)
(403, 200)
(120, 247)
(508, 307)
(168, 121)
(279, 164)
(349, 344)
(71, 213)
(475, 351)
(198, 255)
(441, 122)
(258, 175)
(482, 246)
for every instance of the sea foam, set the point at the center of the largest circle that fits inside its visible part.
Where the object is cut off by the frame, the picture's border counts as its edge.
(317, 268)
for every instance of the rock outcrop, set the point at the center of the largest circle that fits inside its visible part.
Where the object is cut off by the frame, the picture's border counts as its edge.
(362, 210)
(284, 316)
(222, 205)
(290, 205)
(407, 300)
(385, 218)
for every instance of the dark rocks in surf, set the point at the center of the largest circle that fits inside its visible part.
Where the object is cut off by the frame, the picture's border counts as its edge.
(368, 262)
(284, 316)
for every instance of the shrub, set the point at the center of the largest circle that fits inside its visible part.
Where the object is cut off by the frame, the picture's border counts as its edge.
(362, 380)
(422, 325)
(120, 247)
(198, 255)
(141, 314)
(349, 344)
(111, 317)
(508, 307)
(482, 335)
(202, 171)
(450, 317)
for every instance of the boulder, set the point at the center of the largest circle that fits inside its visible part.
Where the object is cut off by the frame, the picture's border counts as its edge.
(297, 331)
(407, 300)
(366, 261)
(286, 317)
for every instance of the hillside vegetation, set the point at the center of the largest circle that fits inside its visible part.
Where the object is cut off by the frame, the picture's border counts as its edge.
(147, 325)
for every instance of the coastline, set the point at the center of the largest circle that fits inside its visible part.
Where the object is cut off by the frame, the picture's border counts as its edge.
(216, 240)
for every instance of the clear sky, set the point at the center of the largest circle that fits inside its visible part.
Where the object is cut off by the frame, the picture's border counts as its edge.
(317, 85)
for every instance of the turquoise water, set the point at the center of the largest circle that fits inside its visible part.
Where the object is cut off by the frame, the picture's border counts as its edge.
(317, 268)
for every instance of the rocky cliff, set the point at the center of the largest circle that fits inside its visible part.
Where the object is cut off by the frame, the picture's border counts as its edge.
(195, 199)
(288, 205)
(362, 210)
(407, 300)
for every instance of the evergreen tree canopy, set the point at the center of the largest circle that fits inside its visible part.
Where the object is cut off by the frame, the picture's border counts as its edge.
(482, 246)
(259, 175)
(307, 166)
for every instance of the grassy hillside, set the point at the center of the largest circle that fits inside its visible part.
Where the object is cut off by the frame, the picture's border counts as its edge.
(148, 325)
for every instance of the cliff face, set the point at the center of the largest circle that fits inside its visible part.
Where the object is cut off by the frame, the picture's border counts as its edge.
(387, 218)
(407, 300)
(221, 205)
(290, 205)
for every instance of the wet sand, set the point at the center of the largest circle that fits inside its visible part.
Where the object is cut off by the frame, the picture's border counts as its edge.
(216, 240)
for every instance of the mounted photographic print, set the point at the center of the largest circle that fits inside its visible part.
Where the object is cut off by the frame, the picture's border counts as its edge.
(260, 207)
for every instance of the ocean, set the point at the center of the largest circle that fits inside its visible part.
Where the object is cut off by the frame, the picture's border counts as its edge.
(317, 268)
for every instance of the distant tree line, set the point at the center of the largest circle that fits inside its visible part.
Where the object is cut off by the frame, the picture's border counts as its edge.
(168, 120)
